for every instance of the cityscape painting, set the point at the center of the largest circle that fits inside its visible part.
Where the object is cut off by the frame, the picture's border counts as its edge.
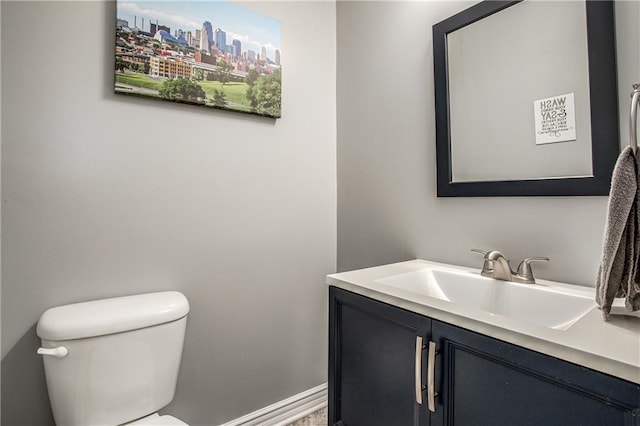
(210, 53)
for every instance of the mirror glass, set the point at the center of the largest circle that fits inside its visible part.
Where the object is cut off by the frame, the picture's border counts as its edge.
(515, 106)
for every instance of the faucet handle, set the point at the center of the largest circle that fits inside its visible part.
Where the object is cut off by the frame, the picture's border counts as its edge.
(490, 255)
(524, 269)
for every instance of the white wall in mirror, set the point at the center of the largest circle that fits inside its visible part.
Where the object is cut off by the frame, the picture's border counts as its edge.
(498, 67)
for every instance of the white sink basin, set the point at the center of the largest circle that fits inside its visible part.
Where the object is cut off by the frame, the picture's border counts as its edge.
(549, 306)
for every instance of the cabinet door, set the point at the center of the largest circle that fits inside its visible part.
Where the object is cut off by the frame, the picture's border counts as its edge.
(372, 363)
(484, 381)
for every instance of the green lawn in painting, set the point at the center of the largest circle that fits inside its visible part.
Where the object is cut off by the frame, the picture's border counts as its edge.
(138, 80)
(235, 93)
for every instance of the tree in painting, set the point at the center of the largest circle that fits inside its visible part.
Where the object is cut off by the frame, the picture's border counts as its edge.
(182, 89)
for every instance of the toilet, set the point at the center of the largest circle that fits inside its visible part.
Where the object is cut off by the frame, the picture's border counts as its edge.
(114, 361)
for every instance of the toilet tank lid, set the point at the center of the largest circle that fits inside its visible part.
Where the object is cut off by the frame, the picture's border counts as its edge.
(108, 316)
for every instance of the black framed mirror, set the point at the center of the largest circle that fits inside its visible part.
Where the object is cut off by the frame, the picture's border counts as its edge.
(526, 107)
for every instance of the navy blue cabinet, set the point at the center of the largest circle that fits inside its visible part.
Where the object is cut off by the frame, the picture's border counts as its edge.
(379, 374)
(484, 381)
(372, 362)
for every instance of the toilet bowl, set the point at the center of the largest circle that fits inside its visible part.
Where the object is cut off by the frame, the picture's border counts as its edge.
(114, 361)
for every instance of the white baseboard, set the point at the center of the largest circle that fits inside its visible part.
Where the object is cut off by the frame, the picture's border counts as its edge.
(286, 411)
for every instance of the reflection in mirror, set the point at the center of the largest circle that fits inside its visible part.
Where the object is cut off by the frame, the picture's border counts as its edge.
(523, 107)
(496, 100)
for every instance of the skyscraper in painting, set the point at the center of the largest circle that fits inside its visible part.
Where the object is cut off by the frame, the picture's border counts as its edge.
(206, 36)
(221, 40)
(237, 48)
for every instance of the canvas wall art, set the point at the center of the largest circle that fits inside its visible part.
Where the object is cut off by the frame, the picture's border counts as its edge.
(210, 53)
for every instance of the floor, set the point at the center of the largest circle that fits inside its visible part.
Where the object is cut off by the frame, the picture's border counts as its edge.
(319, 418)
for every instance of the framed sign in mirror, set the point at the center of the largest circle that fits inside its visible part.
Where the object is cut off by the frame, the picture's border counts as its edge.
(526, 99)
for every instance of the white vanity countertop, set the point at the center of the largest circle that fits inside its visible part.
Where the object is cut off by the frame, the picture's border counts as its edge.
(610, 347)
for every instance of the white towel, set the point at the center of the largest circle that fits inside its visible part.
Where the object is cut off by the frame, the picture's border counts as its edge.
(618, 271)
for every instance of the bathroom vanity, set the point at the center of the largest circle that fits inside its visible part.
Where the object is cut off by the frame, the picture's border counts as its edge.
(409, 346)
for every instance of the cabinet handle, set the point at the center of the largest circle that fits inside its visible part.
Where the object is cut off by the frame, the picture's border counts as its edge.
(419, 347)
(431, 367)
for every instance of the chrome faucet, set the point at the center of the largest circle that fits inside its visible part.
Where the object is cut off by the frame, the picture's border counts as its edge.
(498, 267)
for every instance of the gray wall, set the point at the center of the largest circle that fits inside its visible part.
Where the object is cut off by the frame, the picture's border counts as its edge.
(387, 207)
(106, 195)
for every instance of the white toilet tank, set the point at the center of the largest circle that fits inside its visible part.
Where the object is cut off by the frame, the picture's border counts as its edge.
(112, 361)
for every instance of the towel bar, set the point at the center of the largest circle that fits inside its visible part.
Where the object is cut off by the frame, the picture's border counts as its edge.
(633, 117)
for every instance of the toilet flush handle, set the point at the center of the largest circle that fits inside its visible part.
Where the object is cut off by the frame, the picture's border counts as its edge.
(59, 352)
